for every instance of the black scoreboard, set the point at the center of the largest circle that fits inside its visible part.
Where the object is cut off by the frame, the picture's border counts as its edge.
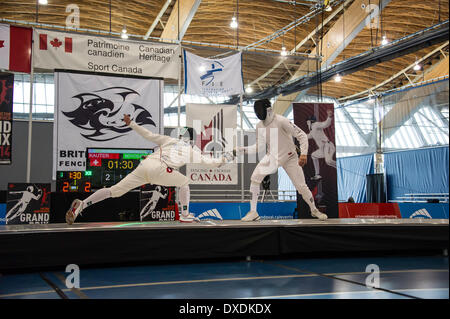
(104, 168)
(108, 166)
(73, 181)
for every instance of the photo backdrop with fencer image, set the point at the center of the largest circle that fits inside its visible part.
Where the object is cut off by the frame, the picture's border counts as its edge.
(157, 203)
(89, 113)
(317, 121)
(28, 203)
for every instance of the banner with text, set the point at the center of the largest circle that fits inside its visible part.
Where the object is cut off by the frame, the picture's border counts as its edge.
(28, 203)
(214, 127)
(72, 51)
(89, 113)
(157, 203)
(6, 114)
(213, 77)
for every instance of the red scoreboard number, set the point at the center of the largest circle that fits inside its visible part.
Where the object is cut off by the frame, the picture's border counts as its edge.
(73, 182)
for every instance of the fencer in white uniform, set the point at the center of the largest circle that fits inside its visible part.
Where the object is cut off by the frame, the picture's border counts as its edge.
(326, 148)
(275, 134)
(160, 168)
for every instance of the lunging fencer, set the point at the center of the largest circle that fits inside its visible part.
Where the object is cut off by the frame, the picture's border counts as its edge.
(326, 148)
(160, 168)
(275, 133)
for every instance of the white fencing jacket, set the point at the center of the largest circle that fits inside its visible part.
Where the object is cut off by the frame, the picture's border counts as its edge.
(278, 136)
(175, 152)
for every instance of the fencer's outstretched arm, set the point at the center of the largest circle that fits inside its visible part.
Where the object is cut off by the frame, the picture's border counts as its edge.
(298, 133)
(198, 157)
(252, 149)
(324, 124)
(152, 137)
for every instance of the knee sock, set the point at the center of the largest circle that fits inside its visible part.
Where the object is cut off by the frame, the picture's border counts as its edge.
(254, 189)
(185, 196)
(307, 197)
(98, 196)
(316, 165)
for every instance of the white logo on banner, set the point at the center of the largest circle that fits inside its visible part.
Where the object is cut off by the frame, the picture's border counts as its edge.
(421, 213)
(210, 214)
(213, 77)
(61, 50)
(215, 127)
(90, 112)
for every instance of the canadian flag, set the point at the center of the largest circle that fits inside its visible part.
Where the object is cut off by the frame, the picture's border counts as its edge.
(15, 48)
(49, 42)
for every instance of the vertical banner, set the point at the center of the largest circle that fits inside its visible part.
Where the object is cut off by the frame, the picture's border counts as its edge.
(215, 128)
(89, 113)
(28, 203)
(157, 203)
(317, 121)
(6, 114)
(213, 77)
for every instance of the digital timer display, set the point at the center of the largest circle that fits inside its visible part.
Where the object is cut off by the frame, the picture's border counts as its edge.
(73, 181)
(109, 166)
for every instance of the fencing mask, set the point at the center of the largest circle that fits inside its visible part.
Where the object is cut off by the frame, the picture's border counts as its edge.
(261, 107)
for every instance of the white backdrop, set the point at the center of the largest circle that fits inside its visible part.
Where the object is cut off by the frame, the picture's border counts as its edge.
(89, 113)
(62, 50)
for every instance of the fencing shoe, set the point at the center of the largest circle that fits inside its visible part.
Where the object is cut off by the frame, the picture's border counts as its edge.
(189, 218)
(251, 216)
(74, 210)
(316, 213)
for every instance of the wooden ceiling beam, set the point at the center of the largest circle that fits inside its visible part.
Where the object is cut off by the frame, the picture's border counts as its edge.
(334, 41)
(184, 12)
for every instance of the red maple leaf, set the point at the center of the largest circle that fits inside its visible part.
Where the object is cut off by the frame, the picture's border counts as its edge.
(56, 43)
(2, 43)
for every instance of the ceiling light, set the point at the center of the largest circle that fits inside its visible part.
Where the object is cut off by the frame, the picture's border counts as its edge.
(338, 78)
(43, 2)
(124, 34)
(384, 41)
(248, 89)
(233, 23)
(328, 8)
(417, 67)
(283, 51)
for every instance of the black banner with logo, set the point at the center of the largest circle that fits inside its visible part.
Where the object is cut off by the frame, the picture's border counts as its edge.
(28, 203)
(6, 113)
(158, 203)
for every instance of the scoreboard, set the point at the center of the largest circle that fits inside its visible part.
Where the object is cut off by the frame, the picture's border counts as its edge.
(73, 181)
(104, 168)
(108, 166)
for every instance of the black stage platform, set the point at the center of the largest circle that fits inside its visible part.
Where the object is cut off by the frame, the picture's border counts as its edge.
(25, 247)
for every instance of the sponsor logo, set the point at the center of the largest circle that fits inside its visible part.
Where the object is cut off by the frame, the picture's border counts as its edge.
(210, 214)
(208, 77)
(99, 113)
(212, 138)
(2, 43)
(421, 213)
